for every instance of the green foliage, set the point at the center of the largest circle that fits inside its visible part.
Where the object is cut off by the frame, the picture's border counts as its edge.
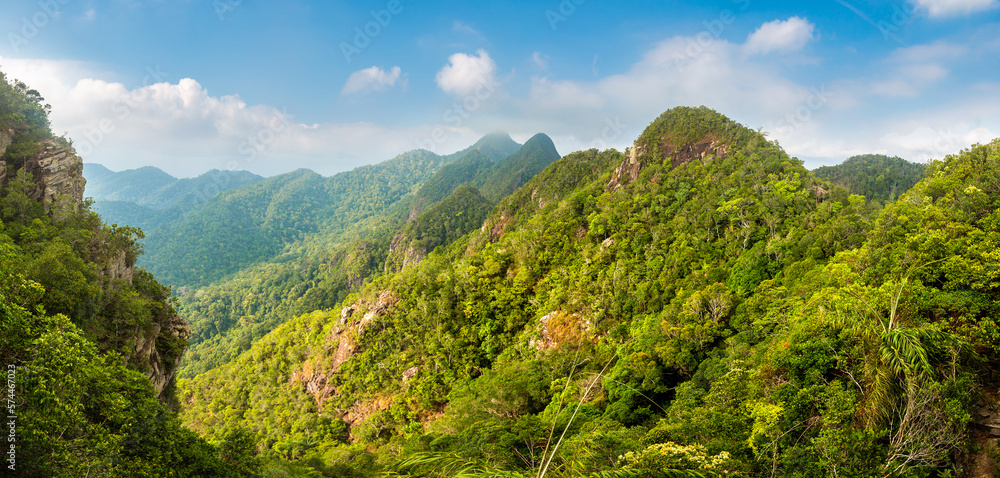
(728, 314)
(319, 270)
(509, 174)
(263, 218)
(80, 411)
(24, 113)
(877, 177)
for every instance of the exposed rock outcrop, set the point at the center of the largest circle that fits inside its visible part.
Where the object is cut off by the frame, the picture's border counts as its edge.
(58, 174)
(987, 419)
(316, 372)
(627, 172)
(403, 250)
(6, 138)
(498, 227)
(161, 368)
(117, 267)
(560, 329)
(678, 154)
(982, 462)
(57, 171)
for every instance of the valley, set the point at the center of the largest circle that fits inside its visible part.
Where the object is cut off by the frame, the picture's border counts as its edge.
(700, 304)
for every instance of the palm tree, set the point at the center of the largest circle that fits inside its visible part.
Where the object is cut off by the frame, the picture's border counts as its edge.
(899, 376)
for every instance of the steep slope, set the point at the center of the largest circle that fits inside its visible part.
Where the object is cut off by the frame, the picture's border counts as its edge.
(700, 303)
(248, 225)
(496, 146)
(321, 268)
(466, 208)
(641, 258)
(446, 221)
(88, 343)
(470, 166)
(239, 229)
(473, 164)
(875, 176)
(515, 170)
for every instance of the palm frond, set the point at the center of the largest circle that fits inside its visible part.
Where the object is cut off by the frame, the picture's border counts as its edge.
(452, 466)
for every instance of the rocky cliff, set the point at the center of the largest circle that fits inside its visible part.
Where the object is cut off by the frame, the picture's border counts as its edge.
(56, 169)
(57, 172)
(6, 137)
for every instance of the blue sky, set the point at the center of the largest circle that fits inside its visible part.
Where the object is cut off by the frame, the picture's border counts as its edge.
(189, 85)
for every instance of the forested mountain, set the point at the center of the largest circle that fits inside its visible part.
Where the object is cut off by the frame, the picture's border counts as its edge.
(251, 224)
(701, 305)
(245, 226)
(875, 176)
(133, 185)
(320, 270)
(88, 342)
(149, 198)
(153, 188)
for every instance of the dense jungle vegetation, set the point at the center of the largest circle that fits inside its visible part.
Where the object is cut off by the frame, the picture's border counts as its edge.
(727, 313)
(78, 400)
(699, 305)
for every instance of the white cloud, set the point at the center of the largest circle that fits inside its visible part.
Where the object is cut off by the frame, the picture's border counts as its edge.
(938, 50)
(612, 111)
(465, 73)
(911, 70)
(371, 79)
(949, 8)
(183, 129)
(540, 60)
(781, 36)
(820, 123)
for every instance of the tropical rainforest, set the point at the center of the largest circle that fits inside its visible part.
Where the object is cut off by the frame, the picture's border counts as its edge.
(698, 305)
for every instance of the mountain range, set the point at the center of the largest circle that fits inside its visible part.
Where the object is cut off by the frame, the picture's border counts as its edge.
(700, 304)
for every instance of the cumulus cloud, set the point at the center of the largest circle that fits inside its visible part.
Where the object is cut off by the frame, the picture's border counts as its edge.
(950, 8)
(371, 79)
(464, 73)
(783, 36)
(821, 123)
(611, 111)
(180, 127)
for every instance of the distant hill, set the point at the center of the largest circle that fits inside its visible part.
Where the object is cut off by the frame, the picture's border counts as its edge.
(699, 305)
(506, 176)
(877, 177)
(496, 146)
(385, 232)
(153, 188)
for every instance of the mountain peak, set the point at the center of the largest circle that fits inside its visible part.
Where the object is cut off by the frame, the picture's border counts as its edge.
(496, 145)
(681, 135)
(540, 140)
(686, 127)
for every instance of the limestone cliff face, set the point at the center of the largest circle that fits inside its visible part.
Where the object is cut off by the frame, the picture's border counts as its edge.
(678, 154)
(56, 169)
(58, 173)
(6, 137)
(161, 368)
